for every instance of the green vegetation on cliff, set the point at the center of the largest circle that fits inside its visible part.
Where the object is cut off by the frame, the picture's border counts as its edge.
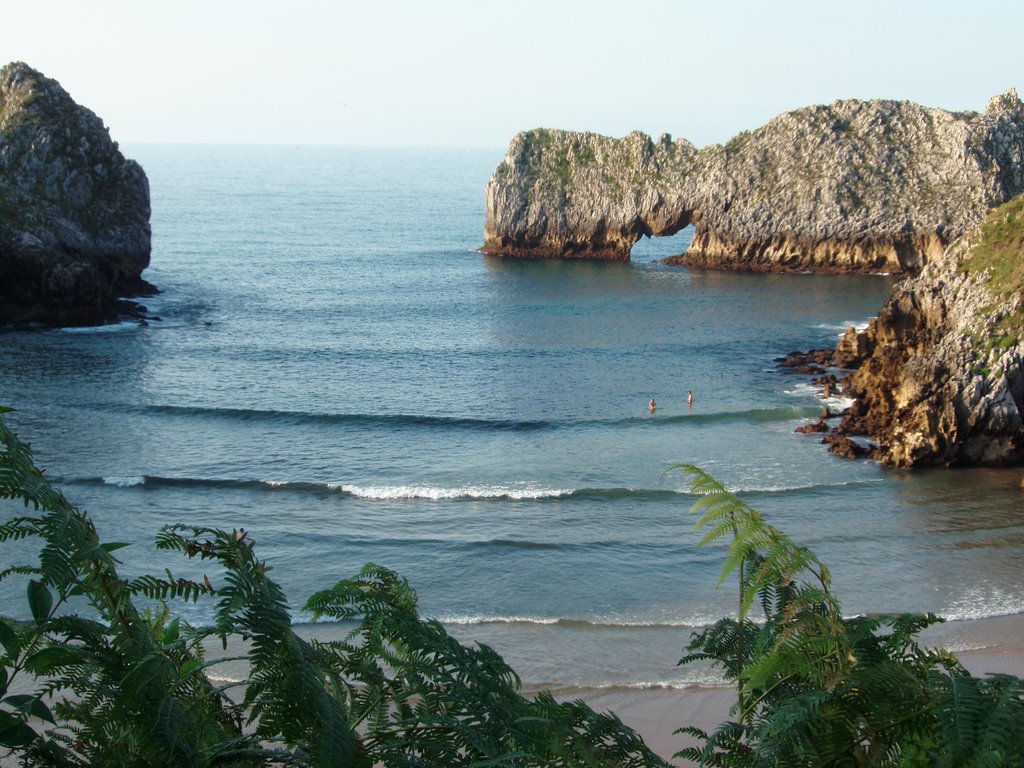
(999, 250)
(997, 254)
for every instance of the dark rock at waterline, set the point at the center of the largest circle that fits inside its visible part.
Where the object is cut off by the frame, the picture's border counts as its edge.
(843, 446)
(811, 363)
(74, 212)
(808, 429)
(828, 383)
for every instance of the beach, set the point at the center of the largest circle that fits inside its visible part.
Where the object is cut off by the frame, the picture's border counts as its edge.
(988, 646)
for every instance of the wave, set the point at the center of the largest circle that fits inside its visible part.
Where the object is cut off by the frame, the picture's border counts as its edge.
(409, 492)
(125, 482)
(498, 493)
(805, 389)
(354, 419)
(158, 481)
(697, 680)
(768, 490)
(694, 622)
(124, 325)
(385, 492)
(840, 328)
(749, 416)
(420, 421)
(981, 603)
(433, 493)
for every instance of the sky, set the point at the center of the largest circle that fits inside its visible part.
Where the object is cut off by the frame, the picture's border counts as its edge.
(472, 73)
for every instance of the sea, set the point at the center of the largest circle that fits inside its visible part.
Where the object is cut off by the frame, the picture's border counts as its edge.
(333, 366)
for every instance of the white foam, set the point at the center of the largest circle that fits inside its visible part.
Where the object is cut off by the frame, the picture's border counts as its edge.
(124, 325)
(125, 482)
(597, 622)
(838, 402)
(433, 493)
(840, 328)
(466, 621)
(807, 390)
(803, 389)
(702, 678)
(982, 602)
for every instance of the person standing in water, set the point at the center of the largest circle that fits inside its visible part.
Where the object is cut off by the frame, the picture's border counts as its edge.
(652, 406)
(689, 398)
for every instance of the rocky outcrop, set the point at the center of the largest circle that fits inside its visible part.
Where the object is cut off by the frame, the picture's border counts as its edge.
(562, 194)
(939, 376)
(74, 213)
(855, 186)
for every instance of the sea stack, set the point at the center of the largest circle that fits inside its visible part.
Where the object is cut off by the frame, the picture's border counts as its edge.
(855, 186)
(74, 213)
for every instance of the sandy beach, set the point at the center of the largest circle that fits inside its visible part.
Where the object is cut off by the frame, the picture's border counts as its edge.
(984, 646)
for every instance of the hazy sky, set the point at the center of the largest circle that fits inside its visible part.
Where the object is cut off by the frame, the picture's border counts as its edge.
(474, 72)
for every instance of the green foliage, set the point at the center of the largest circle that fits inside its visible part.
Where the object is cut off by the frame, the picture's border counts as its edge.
(124, 686)
(998, 250)
(131, 687)
(818, 689)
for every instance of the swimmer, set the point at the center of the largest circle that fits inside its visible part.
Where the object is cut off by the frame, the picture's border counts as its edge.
(689, 398)
(652, 406)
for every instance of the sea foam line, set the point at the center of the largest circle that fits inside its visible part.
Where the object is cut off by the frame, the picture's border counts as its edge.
(124, 325)
(396, 492)
(125, 482)
(408, 492)
(690, 622)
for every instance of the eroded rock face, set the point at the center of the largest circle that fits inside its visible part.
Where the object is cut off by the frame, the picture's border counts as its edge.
(74, 213)
(939, 376)
(856, 186)
(562, 194)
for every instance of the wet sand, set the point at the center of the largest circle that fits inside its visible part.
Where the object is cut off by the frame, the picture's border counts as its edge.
(984, 646)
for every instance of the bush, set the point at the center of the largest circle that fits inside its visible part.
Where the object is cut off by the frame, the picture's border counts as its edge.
(817, 689)
(129, 686)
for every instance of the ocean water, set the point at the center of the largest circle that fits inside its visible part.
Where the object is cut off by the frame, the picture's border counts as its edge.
(337, 370)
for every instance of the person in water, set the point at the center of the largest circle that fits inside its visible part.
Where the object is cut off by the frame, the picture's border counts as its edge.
(652, 406)
(689, 398)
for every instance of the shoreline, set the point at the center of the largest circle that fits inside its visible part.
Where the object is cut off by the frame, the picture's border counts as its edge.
(988, 645)
(991, 645)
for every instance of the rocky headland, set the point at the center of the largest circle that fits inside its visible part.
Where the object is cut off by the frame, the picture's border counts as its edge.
(74, 213)
(854, 186)
(938, 376)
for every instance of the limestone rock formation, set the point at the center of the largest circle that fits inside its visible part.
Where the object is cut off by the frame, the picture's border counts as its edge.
(939, 376)
(74, 213)
(855, 186)
(561, 194)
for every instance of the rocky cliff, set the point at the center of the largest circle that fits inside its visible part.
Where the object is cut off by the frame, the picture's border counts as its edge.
(74, 213)
(939, 376)
(865, 186)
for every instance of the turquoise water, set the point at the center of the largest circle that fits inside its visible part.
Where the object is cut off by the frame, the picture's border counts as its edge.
(337, 370)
